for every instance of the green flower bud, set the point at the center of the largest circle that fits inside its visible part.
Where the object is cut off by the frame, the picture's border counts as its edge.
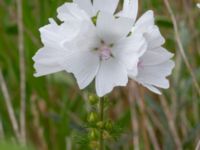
(108, 125)
(94, 145)
(100, 124)
(92, 117)
(93, 100)
(106, 135)
(93, 134)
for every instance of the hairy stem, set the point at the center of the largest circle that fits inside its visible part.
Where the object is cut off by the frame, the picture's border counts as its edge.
(101, 109)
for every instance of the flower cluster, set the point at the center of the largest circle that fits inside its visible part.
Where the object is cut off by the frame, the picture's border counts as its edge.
(96, 42)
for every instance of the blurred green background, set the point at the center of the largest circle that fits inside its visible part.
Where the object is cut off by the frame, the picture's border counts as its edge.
(56, 109)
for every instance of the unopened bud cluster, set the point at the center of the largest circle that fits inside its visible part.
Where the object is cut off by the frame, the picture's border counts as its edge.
(95, 125)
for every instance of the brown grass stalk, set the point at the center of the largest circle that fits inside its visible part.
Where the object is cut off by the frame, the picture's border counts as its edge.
(198, 146)
(145, 120)
(22, 71)
(9, 106)
(134, 119)
(180, 45)
(40, 139)
(1, 130)
(68, 143)
(171, 122)
(156, 121)
(147, 124)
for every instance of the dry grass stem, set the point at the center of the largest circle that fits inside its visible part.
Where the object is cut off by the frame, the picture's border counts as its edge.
(22, 72)
(9, 105)
(147, 124)
(198, 146)
(156, 121)
(180, 45)
(145, 120)
(1, 130)
(68, 143)
(134, 119)
(171, 123)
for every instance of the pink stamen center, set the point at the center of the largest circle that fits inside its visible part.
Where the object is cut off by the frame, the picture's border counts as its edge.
(140, 64)
(105, 52)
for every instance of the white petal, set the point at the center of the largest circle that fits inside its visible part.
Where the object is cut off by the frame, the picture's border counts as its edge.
(111, 73)
(53, 35)
(111, 29)
(83, 64)
(71, 11)
(130, 9)
(88, 38)
(144, 22)
(156, 56)
(155, 75)
(47, 61)
(108, 6)
(153, 89)
(154, 37)
(128, 50)
(198, 5)
(87, 6)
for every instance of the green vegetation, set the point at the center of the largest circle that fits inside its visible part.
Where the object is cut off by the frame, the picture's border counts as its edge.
(57, 111)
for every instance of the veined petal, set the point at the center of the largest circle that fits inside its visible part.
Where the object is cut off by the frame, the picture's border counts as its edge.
(83, 64)
(87, 6)
(86, 40)
(111, 73)
(112, 29)
(108, 6)
(155, 57)
(71, 11)
(129, 50)
(130, 9)
(155, 75)
(144, 22)
(47, 60)
(154, 38)
(53, 35)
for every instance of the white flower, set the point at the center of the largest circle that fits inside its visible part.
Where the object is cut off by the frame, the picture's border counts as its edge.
(198, 5)
(116, 48)
(155, 65)
(108, 6)
(104, 52)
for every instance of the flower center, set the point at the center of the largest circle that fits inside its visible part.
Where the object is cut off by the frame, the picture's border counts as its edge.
(104, 51)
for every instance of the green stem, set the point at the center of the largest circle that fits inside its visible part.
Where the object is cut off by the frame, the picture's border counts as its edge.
(101, 109)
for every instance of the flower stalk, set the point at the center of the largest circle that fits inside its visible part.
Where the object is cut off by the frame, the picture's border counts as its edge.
(101, 109)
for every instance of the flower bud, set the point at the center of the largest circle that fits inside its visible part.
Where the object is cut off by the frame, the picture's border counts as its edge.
(92, 117)
(106, 135)
(100, 124)
(93, 134)
(93, 100)
(108, 125)
(94, 145)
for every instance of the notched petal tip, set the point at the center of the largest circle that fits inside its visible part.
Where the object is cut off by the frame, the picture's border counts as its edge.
(153, 89)
(36, 75)
(52, 21)
(150, 12)
(171, 55)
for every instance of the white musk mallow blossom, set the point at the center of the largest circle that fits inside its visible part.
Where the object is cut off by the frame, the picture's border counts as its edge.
(95, 43)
